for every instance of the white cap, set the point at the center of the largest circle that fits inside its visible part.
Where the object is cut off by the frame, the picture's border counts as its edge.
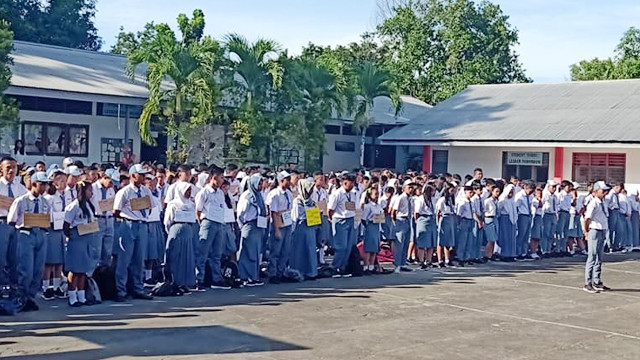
(576, 185)
(283, 175)
(40, 176)
(137, 169)
(408, 183)
(551, 182)
(241, 175)
(67, 161)
(73, 170)
(601, 185)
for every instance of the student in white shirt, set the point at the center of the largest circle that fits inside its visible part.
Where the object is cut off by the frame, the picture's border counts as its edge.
(105, 189)
(371, 242)
(490, 218)
(445, 216)
(304, 257)
(252, 217)
(635, 221)
(477, 246)
(56, 240)
(536, 227)
(507, 223)
(401, 214)
(180, 256)
(565, 201)
(523, 207)
(465, 214)
(320, 194)
(134, 233)
(549, 217)
(616, 231)
(155, 242)
(388, 231)
(426, 228)
(280, 243)
(80, 248)
(344, 233)
(73, 175)
(595, 226)
(574, 233)
(10, 187)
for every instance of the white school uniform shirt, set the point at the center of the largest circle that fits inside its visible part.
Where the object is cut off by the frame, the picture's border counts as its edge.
(523, 203)
(536, 208)
(575, 209)
(403, 206)
(97, 197)
(564, 201)
(625, 207)
(171, 192)
(612, 200)
(477, 205)
(246, 211)
(16, 188)
(26, 204)
(162, 190)
(70, 194)
(464, 209)
(371, 208)
(597, 212)
(490, 207)
(549, 203)
(211, 204)
(443, 207)
(423, 207)
(156, 208)
(282, 200)
(337, 201)
(57, 201)
(74, 215)
(635, 205)
(384, 202)
(123, 204)
(319, 194)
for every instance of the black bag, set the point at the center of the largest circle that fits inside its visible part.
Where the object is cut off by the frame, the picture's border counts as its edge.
(354, 266)
(230, 274)
(166, 289)
(105, 279)
(11, 300)
(325, 271)
(92, 292)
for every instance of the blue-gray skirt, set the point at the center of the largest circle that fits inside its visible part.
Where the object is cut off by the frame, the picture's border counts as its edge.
(180, 260)
(447, 231)
(490, 229)
(55, 247)
(372, 237)
(79, 256)
(536, 228)
(155, 245)
(575, 226)
(426, 232)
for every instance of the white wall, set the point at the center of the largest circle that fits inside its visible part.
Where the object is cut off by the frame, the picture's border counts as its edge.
(340, 160)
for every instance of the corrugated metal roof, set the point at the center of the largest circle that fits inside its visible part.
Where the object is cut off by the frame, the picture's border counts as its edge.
(59, 68)
(590, 111)
(384, 113)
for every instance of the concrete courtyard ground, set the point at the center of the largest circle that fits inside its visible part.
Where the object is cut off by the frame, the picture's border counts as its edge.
(526, 310)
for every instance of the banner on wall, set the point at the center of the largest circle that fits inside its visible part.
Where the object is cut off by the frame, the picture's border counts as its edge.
(524, 158)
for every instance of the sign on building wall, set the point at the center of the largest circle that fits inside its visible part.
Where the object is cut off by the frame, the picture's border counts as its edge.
(524, 158)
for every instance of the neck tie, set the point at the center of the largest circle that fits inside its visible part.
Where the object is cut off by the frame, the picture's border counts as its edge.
(288, 201)
(617, 200)
(481, 207)
(528, 205)
(142, 211)
(64, 202)
(104, 195)
(9, 191)
(603, 211)
(36, 208)
(470, 210)
(553, 202)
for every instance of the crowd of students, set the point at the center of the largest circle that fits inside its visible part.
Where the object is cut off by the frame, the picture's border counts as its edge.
(58, 224)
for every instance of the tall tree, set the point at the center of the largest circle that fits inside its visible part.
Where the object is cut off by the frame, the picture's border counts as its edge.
(624, 65)
(436, 48)
(8, 108)
(180, 75)
(55, 22)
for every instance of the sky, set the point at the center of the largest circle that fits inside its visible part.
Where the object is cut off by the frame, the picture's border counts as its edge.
(553, 34)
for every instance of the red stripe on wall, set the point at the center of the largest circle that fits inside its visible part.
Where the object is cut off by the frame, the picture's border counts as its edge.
(426, 158)
(559, 165)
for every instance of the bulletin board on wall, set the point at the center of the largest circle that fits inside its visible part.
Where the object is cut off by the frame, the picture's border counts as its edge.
(111, 149)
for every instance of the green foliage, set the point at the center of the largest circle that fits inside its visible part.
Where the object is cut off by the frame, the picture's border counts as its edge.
(436, 48)
(8, 108)
(625, 64)
(66, 23)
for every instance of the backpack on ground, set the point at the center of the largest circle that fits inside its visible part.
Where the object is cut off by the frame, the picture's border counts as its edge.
(166, 288)
(11, 300)
(92, 292)
(354, 265)
(105, 280)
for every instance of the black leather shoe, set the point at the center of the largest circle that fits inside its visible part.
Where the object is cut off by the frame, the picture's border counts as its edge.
(142, 296)
(120, 299)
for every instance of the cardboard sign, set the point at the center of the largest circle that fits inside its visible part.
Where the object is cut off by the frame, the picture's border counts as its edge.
(58, 220)
(286, 218)
(322, 205)
(106, 204)
(350, 206)
(358, 216)
(37, 220)
(229, 216)
(313, 216)
(379, 219)
(262, 222)
(88, 228)
(142, 203)
(185, 216)
(5, 202)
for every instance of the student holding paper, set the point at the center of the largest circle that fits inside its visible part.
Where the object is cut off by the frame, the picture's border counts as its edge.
(52, 276)
(280, 243)
(31, 215)
(10, 188)
(102, 200)
(306, 219)
(81, 227)
(156, 243)
(180, 259)
(252, 217)
(372, 216)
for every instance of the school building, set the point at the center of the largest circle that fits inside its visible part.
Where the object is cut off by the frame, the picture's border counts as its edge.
(581, 131)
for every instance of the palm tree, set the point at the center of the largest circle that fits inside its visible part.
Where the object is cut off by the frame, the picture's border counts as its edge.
(372, 82)
(179, 77)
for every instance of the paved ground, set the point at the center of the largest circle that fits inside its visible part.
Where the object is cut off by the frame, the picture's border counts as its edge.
(500, 311)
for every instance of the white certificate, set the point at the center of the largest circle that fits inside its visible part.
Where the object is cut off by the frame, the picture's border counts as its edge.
(58, 220)
(185, 216)
(286, 218)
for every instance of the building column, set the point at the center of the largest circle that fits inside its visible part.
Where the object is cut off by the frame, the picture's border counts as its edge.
(426, 158)
(559, 164)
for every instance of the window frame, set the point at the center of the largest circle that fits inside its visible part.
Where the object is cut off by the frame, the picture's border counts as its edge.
(44, 138)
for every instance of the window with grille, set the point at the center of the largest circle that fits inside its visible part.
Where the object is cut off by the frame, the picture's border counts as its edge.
(589, 167)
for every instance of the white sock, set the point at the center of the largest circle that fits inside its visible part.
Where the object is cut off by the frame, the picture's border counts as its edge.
(81, 297)
(147, 274)
(371, 267)
(73, 297)
(56, 282)
(45, 284)
(321, 255)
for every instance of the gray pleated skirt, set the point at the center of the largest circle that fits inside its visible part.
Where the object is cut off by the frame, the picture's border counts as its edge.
(180, 260)
(80, 253)
(55, 247)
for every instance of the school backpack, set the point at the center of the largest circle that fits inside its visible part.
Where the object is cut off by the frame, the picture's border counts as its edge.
(166, 288)
(92, 292)
(354, 265)
(230, 273)
(325, 271)
(11, 300)
(105, 280)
